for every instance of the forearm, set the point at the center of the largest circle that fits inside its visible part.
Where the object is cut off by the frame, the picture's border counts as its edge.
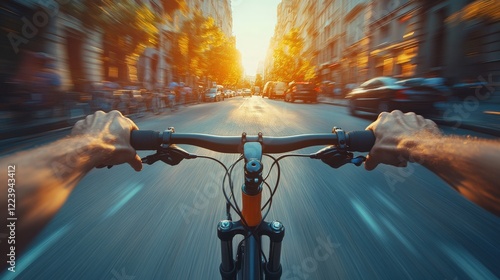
(473, 169)
(44, 178)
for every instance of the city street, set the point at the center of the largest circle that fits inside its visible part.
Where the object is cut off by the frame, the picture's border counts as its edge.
(344, 223)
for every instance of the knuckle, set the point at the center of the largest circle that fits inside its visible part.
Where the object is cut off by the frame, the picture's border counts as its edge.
(115, 113)
(383, 115)
(396, 113)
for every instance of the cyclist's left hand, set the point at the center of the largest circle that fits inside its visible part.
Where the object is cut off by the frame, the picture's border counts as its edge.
(110, 134)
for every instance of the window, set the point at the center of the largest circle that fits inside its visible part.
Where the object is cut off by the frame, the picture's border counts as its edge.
(384, 33)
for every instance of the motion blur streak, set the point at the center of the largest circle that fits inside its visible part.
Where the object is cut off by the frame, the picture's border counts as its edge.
(399, 236)
(126, 194)
(386, 201)
(33, 254)
(368, 218)
(467, 263)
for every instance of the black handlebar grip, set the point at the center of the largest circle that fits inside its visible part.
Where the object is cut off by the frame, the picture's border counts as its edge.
(361, 141)
(145, 139)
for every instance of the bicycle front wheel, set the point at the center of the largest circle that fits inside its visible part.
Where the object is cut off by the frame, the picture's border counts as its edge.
(251, 262)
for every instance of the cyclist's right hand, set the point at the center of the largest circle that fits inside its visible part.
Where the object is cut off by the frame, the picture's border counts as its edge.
(390, 130)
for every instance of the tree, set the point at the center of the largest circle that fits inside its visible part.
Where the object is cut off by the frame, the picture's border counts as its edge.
(259, 81)
(289, 62)
(203, 50)
(170, 6)
(226, 62)
(196, 38)
(130, 25)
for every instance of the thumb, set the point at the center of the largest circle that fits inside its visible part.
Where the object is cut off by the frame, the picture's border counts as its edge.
(370, 163)
(136, 163)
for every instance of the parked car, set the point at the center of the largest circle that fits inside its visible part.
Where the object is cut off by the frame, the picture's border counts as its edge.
(384, 94)
(213, 95)
(274, 90)
(304, 91)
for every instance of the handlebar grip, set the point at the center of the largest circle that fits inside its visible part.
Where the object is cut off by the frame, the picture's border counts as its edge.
(145, 139)
(361, 141)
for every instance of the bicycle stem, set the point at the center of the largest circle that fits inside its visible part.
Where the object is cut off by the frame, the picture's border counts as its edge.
(252, 188)
(251, 225)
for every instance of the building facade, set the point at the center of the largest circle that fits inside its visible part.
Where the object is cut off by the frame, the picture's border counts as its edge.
(394, 35)
(355, 40)
(83, 56)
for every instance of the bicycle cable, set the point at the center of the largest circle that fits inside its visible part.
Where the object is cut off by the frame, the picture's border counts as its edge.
(234, 204)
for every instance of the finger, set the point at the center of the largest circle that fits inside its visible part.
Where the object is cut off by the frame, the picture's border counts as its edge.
(77, 127)
(431, 125)
(370, 163)
(382, 115)
(420, 120)
(136, 163)
(397, 113)
(132, 124)
(89, 119)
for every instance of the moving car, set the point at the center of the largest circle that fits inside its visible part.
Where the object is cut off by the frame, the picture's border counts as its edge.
(247, 92)
(436, 83)
(304, 91)
(384, 94)
(274, 90)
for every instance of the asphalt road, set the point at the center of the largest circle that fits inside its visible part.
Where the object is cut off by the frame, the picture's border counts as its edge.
(347, 223)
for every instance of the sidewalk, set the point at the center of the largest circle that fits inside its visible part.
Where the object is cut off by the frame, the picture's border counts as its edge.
(483, 117)
(11, 131)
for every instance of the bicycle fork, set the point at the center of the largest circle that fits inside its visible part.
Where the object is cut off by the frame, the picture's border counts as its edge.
(252, 227)
(252, 263)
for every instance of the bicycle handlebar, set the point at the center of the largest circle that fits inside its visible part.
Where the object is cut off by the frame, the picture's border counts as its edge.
(357, 141)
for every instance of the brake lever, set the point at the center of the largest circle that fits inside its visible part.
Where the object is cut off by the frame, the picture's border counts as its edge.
(171, 155)
(335, 157)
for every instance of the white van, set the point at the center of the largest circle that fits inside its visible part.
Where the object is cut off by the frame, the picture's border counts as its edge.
(274, 90)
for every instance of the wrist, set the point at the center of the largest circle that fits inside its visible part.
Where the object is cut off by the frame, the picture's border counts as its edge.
(90, 150)
(411, 147)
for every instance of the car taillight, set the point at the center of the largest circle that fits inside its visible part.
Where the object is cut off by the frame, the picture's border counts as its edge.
(401, 95)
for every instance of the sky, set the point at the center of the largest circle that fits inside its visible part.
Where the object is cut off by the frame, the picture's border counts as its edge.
(253, 26)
